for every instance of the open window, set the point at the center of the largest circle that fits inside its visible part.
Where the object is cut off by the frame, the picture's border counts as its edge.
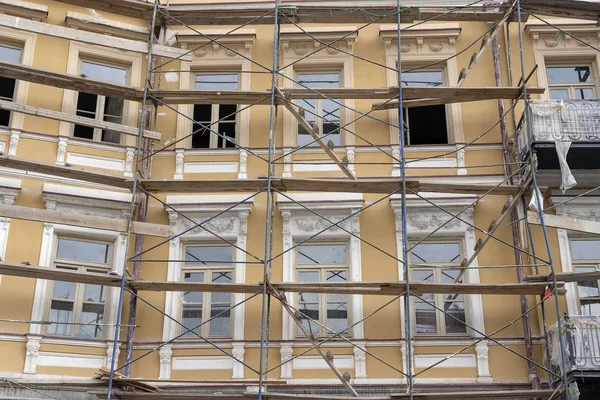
(571, 82)
(220, 118)
(12, 54)
(426, 124)
(102, 108)
(586, 258)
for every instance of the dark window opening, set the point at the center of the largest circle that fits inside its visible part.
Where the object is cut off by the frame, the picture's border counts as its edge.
(425, 125)
(86, 107)
(227, 116)
(113, 112)
(205, 128)
(201, 135)
(7, 92)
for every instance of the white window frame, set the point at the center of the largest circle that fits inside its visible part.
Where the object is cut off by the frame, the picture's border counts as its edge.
(439, 298)
(81, 266)
(322, 270)
(232, 226)
(298, 225)
(215, 108)
(424, 45)
(101, 101)
(593, 264)
(206, 296)
(570, 87)
(102, 55)
(422, 219)
(26, 42)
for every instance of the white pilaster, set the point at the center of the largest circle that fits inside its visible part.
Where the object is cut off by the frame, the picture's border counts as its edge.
(129, 162)
(32, 352)
(179, 158)
(396, 164)
(287, 163)
(286, 351)
(14, 142)
(360, 361)
(243, 169)
(238, 353)
(483, 367)
(165, 353)
(62, 149)
(109, 353)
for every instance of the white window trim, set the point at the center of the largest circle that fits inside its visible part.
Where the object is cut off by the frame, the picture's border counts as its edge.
(547, 48)
(211, 57)
(295, 45)
(423, 218)
(233, 226)
(79, 51)
(25, 40)
(585, 208)
(299, 224)
(9, 190)
(424, 44)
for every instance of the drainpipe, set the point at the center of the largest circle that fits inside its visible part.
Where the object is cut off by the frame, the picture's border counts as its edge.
(533, 378)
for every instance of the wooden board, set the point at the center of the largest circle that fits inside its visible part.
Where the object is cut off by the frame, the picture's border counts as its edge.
(88, 221)
(563, 222)
(392, 288)
(79, 35)
(65, 172)
(566, 277)
(75, 119)
(483, 394)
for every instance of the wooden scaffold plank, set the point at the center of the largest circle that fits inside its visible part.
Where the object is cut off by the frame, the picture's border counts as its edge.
(76, 119)
(564, 222)
(566, 277)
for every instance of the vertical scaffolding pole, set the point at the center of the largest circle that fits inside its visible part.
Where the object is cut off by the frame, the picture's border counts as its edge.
(406, 271)
(533, 378)
(132, 206)
(269, 213)
(142, 209)
(540, 206)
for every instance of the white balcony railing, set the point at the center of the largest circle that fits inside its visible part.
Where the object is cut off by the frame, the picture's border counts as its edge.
(561, 120)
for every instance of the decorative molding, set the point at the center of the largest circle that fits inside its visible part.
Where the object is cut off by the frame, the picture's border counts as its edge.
(460, 157)
(24, 9)
(456, 361)
(128, 169)
(87, 160)
(286, 352)
(86, 201)
(243, 171)
(32, 347)
(13, 143)
(61, 149)
(196, 363)
(238, 353)
(483, 367)
(109, 354)
(70, 360)
(316, 362)
(287, 163)
(165, 353)
(106, 26)
(211, 167)
(360, 360)
(179, 161)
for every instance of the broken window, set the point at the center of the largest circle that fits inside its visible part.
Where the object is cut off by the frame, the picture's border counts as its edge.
(438, 263)
(426, 124)
(571, 82)
(207, 314)
(323, 263)
(323, 114)
(78, 309)
(221, 118)
(99, 107)
(7, 85)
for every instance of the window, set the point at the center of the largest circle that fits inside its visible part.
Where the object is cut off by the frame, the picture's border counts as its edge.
(102, 108)
(438, 262)
(220, 118)
(208, 264)
(586, 257)
(77, 302)
(571, 82)
(323, 263)
(426, 124)
(322, 114)
(7, 85)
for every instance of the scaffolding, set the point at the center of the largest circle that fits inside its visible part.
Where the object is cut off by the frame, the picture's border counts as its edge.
(520, 181)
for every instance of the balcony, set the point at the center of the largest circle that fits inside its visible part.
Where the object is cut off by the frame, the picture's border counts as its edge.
(581, 338)
(575, 121)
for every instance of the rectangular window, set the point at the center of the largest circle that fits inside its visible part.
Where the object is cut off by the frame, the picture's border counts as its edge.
(7, 85)
(322, 114)
(220, 118)
(323, 263)
(99, 107)
(426, 124)
(208, 264)
(571, 82)
(76, 308)
(586, 257)
(438, 263)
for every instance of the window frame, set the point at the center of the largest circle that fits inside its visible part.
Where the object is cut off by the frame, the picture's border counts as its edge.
(215, 108)
(78, 300)
(571, 87)
(101, 100)
(339, 69)
(439, 299)
(21, 48)
(207, 296)
(576, 264)
(322, 270)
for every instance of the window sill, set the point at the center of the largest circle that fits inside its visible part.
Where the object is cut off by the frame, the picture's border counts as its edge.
(97, 145)
(212, 152)
(69, 341)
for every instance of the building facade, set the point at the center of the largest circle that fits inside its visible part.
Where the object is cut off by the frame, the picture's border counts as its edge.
(55, 330)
